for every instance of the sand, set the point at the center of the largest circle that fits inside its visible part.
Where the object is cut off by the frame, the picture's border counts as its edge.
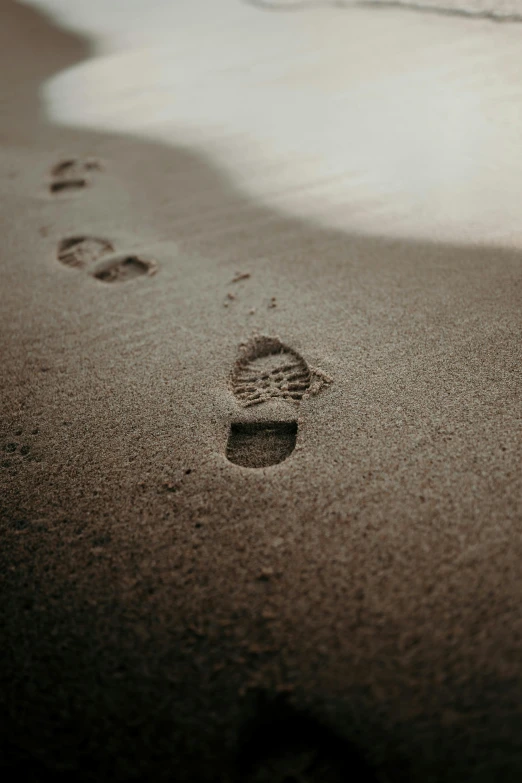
(350, 612)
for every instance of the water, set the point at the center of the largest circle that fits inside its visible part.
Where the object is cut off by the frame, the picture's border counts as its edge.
(378, 121)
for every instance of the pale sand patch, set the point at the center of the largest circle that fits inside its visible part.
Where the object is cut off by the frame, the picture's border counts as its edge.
(368, 120)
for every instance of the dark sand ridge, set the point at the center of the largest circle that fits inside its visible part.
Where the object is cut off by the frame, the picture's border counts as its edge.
(154, 594)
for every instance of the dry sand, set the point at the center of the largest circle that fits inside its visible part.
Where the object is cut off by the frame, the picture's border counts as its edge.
(350, 613)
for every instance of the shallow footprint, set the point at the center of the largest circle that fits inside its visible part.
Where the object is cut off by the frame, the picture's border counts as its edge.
(72, 174)
(80, 251)
(124, 268)
(268, 370)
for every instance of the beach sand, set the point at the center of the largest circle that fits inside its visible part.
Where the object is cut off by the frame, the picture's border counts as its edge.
(349, 613)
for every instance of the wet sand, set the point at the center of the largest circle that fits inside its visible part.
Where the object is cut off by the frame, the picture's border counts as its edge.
(162, 605)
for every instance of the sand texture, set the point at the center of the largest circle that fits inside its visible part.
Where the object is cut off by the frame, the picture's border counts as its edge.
(260, 474)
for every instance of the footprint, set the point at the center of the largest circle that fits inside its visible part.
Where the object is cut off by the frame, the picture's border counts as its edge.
(78, 252)
(268, 370)
(261, 444)
(72, 174)
(123, 268)
(81, 251)
(18, 448)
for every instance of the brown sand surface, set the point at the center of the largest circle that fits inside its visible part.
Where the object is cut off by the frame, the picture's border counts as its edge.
(162, 607)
